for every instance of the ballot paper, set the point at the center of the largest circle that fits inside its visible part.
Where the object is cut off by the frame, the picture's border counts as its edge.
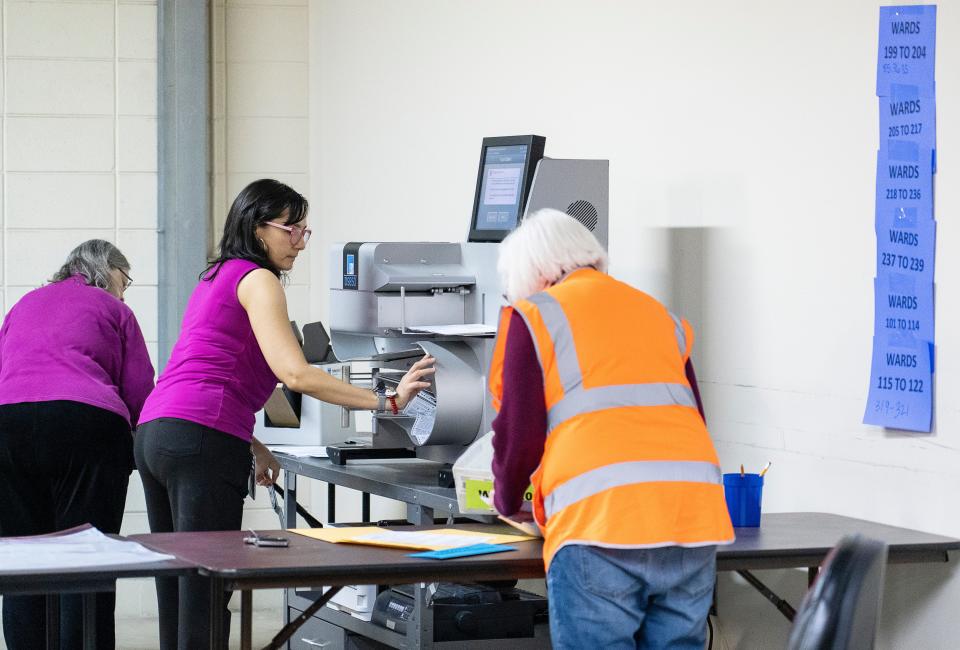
(424, 540)
(429, 540)
(304, 451)
(80, 549)
(466, 329)
(423, 408)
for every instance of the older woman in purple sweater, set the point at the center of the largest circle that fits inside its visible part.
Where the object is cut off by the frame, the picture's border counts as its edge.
(74, 374)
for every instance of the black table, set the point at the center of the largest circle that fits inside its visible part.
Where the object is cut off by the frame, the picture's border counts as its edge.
(790, 540)
(793, 540)
(784, 540)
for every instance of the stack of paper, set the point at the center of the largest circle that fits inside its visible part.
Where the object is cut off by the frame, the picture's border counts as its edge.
(466, 329)
(77, 550)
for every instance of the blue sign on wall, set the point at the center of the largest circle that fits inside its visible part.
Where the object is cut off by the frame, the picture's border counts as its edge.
(901, 377)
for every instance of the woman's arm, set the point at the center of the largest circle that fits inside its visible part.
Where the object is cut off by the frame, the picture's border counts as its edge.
(261, 295)
(266, 466)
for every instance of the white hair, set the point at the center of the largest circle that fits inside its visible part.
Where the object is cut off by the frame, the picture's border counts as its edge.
(93, 259)
(547, 245)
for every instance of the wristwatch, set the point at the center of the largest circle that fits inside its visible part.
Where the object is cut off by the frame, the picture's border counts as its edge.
(385, 396)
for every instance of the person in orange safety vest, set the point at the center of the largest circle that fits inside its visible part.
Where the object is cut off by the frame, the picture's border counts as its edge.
(598, 408)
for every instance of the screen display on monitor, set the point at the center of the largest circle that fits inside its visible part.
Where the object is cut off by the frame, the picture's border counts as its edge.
(500, 195)
(507, 165)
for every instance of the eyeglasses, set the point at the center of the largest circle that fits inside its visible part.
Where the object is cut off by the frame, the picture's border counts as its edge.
(296, 232)
(127, 280)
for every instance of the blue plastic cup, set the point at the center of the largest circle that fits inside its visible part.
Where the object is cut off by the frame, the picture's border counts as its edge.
(743, 492)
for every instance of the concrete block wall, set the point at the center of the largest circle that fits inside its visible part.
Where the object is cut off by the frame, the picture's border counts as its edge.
(260, 113)
(79, 160)
(78, 155)
(79, 146)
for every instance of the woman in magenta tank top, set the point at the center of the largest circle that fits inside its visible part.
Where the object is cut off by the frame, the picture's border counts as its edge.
(195, 439)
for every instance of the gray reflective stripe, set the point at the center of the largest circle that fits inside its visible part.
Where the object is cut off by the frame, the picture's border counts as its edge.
(588, 400)
(619, 474)
(564, 350)
(680, 332)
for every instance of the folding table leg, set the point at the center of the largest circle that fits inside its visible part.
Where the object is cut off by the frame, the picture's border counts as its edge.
(89, 621)
(289, 499)
(246, 619)
(331, 503)
(53, 621)
(218, 602)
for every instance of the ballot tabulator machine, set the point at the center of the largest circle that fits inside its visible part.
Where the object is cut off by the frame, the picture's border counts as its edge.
(391, 302)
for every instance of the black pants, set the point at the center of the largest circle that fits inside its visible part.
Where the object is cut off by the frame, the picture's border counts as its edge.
(194, 478)
(62, 464)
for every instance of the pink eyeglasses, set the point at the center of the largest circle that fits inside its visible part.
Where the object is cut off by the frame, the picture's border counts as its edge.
(296, 232)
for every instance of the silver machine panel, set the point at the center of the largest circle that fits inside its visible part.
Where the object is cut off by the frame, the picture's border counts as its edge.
(581, 188)
(386, 290)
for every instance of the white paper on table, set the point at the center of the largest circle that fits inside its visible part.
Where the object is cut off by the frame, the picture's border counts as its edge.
(428, 540)
(83, 549)
(302, 451)
(423, 408)
(466, 329)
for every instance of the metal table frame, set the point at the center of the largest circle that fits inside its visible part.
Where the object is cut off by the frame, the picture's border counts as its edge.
(411, 481)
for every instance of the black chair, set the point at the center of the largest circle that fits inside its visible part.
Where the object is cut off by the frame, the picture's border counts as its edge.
(842, 608)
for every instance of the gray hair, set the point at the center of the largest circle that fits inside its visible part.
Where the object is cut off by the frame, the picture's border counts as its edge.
(93, 259)
(546, 246)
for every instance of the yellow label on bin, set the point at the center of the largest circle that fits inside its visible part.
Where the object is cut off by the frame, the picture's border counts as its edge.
(475, 491)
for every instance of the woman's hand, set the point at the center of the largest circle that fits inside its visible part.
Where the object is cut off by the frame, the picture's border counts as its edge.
(266, 466)
(415, 380)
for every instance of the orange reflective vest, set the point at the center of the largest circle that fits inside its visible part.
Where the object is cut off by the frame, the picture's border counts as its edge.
(628, 462)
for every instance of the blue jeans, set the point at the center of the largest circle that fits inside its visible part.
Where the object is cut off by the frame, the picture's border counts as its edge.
(630, 598)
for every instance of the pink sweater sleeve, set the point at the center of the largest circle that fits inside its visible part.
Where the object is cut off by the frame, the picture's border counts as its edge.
(520, 429)
(136, 371)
